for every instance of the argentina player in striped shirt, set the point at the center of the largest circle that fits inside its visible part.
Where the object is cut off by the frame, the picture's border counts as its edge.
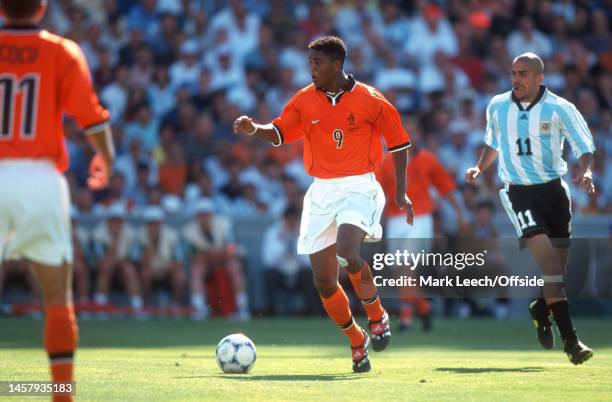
(527, 128)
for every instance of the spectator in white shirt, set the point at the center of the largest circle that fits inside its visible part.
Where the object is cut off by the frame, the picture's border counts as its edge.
(186, 71)
(210, 239)
(288, 275)
(114, 239)
(160, 255)
(528, 39)
(114, 96)
(431, 33)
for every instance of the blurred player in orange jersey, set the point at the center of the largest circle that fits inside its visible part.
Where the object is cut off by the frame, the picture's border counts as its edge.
(342, 122)
(43, 77)
(424, 171)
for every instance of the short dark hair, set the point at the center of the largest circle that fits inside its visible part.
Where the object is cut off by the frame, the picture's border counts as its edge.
(331, 46)
(16, 9)
(533, 60)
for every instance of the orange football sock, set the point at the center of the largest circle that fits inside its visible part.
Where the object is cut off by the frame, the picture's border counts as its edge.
(364, 286)
(337, 308)
(60, 339)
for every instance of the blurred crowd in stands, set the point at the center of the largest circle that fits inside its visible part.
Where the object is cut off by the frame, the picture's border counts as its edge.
(176, 73)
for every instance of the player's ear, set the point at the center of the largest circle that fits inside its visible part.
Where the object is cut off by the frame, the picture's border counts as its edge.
(337, 65)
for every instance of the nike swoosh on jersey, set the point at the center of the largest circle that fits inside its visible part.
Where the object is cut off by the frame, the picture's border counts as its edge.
(315, 121)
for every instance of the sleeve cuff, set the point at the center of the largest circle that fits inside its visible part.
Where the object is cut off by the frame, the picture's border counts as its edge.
(400, 147)
(97, 127)
(279, 134)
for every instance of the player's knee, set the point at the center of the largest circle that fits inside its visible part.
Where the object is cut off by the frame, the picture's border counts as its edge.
(325, 286)
(342, 262)
(350, 260)
(54, 295)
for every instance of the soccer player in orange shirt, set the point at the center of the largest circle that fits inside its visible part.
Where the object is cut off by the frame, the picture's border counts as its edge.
(342, 122)
(43, 77)
(424, 171)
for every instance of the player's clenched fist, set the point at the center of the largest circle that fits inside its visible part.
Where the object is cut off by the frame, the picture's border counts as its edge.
(471, 175)
(100, 171)
(403, 202)
(585, 181)
(244, 125)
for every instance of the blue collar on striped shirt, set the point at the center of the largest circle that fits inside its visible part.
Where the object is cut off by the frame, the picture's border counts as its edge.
(533, 103)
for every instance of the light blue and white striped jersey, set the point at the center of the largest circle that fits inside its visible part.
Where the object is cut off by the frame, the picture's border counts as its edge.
(530, 141)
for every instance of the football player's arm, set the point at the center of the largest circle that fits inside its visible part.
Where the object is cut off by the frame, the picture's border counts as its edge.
(577, 132)
(285, 128)
(388, 122)
(400, 161)
(584, 179)
(488, 153)
(246, 125)
(79, 101)
(487, 157)
(102, 142)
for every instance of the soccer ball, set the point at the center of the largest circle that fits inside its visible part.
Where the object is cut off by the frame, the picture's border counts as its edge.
(236, 354)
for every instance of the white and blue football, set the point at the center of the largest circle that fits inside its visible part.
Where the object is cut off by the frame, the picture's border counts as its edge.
(236, 354)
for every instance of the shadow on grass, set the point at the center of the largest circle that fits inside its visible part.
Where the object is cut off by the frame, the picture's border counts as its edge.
(486, 370)
(282, 377)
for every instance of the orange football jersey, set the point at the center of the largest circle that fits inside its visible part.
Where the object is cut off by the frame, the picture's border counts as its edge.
(424, 171)
(42, 77)
(342, 132)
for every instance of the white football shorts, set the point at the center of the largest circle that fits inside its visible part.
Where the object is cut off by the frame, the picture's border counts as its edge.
(34, 212)
(329, 203)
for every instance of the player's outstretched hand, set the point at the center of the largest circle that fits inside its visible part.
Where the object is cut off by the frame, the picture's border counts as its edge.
(471, 175)
(244, 125)
(585, 182)
(405, 204)
(99, 173)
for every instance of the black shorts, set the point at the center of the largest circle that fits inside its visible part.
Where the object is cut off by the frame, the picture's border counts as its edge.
(540, 208)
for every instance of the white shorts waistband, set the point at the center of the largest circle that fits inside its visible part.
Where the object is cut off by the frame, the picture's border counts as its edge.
(27, 162)
(366, 177)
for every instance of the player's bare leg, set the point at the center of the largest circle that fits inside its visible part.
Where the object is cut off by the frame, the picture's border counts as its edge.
(199, 269)
(325, 275)
(61, 331)
(348, 257)
(552, 262)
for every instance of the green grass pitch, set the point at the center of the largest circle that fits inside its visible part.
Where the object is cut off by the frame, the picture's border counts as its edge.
(309, 360)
